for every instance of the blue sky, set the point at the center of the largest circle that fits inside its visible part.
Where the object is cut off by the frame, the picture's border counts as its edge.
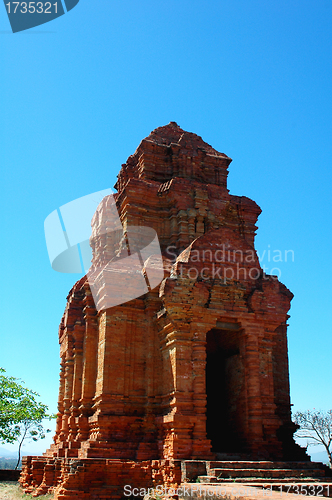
(79, 93)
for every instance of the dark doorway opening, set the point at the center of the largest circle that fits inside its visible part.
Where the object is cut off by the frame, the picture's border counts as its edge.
(224, 390)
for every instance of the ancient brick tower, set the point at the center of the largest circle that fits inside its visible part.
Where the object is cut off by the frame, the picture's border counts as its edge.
(196, 366)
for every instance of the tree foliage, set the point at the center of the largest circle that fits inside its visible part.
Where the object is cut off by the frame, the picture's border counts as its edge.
(316, 426)
(21, 415)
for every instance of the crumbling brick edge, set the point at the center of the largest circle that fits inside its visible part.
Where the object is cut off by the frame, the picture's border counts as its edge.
(94, 478)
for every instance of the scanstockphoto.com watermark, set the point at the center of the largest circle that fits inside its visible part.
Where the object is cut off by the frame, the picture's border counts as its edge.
(226, 263)
(135, 261)
(188, 490)
(197, 490)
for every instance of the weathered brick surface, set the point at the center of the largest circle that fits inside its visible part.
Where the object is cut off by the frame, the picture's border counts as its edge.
(95, 479)
(195, 367)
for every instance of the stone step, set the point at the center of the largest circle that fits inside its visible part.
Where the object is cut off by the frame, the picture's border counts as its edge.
(266, 473)
(265, 470)
(265, 481)
(235, 464)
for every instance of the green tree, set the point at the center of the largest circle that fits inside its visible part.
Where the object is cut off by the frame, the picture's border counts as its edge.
(316, 425)
(21, 415)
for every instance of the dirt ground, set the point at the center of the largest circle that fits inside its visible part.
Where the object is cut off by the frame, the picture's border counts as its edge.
(10, 490)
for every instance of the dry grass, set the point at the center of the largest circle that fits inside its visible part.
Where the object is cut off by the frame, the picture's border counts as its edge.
(10, 490)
